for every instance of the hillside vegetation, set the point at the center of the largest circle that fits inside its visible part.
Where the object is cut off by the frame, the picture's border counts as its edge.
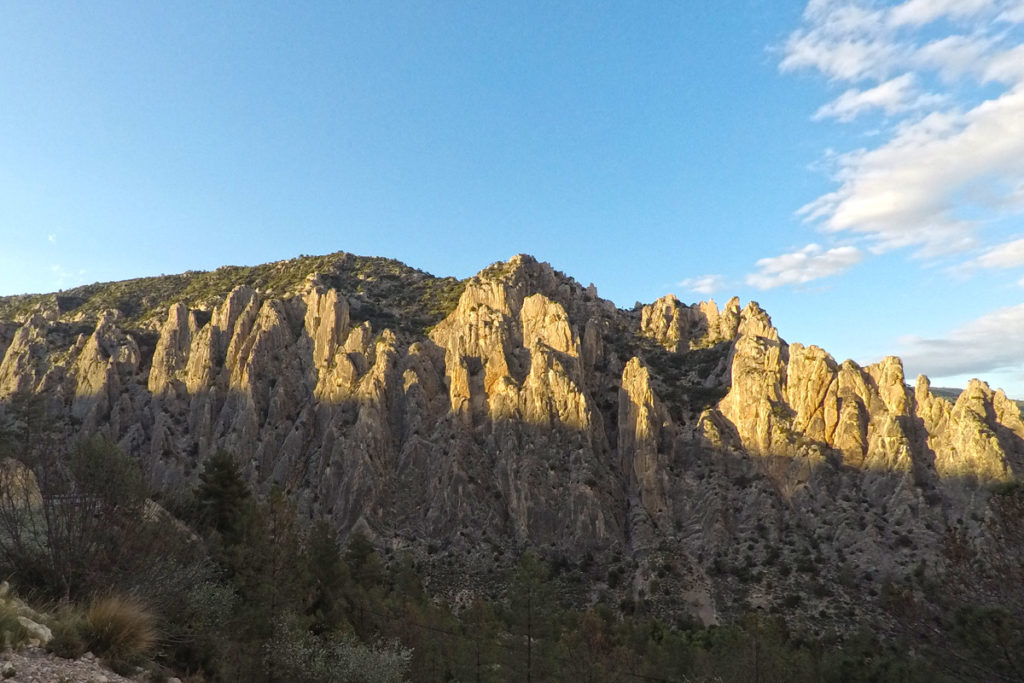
(391, 292)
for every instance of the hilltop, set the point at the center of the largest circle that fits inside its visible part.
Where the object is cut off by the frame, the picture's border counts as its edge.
(388, 290)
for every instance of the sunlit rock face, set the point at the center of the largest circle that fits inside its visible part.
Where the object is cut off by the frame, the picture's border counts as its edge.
(785, 399)
(534, 413)
(678, 327)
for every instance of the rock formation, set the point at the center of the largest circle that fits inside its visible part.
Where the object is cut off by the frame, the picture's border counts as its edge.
(534, 413)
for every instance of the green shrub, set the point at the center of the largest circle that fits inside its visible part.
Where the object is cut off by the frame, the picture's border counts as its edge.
(12, 633)
(68, 628)
(298, 655)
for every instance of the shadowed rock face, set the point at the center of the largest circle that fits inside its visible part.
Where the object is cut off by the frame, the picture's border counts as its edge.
(670, 440)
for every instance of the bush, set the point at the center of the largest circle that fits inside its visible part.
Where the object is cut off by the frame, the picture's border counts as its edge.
(12, 633)
(121, 630)
(68, 628)
(298, 655)
(82, 528)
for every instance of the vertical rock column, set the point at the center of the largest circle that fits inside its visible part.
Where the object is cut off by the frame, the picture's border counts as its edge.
(640, 423)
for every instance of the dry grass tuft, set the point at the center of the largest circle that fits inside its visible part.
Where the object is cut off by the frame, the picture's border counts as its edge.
(119, 629)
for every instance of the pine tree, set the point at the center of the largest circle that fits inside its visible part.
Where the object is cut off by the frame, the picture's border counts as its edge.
(223, 497)
(532, 607)
(481, 628)
(327, 575)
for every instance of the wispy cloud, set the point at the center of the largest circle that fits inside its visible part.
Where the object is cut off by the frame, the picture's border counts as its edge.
(893, 96)
(60, 275)
(983, 345)
(798, 267)
(955, 56)
(950, 158)
(705, 284)
(911, 190)
(921, 12)
(1006, 255)
(1013, 13)
(52, 239)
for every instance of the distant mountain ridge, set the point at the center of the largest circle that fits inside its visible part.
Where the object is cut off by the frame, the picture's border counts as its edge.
(952, 394)
(685, 457)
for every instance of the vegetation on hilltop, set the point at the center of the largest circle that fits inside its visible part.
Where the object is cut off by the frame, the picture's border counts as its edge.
(388, 290)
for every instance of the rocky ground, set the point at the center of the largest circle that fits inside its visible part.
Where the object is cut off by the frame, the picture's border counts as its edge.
(34, 665)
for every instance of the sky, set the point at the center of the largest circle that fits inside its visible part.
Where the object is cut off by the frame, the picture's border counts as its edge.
(856, 166)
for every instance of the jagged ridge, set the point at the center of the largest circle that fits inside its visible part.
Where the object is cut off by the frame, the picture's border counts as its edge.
(532, 413)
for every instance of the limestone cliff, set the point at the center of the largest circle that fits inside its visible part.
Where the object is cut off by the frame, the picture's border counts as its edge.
(790, 399)
(519, 409)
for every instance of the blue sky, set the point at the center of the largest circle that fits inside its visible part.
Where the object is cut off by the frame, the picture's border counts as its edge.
(857, 167)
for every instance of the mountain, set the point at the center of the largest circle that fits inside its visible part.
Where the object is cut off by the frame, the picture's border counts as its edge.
(682, 459)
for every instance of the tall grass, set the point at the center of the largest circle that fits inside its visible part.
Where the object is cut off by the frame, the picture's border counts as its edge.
(121, 630)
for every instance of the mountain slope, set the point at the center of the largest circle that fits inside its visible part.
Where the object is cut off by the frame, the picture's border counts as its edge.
(685, 458)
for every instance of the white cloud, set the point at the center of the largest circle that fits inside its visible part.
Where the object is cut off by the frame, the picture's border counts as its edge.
(705, 284)
(810, 263)
(893, 96)
(910, 191)
(842, 46)
(1006, 255)
(954, 56)
(920, 12)
(1015, 199)
(1013, 13)
(982, 345)
(52, 239)
(948, 162)
(1005, 67)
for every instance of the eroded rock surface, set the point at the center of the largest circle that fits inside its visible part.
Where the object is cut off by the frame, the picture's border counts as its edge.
(672, 439)
(787, 399)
